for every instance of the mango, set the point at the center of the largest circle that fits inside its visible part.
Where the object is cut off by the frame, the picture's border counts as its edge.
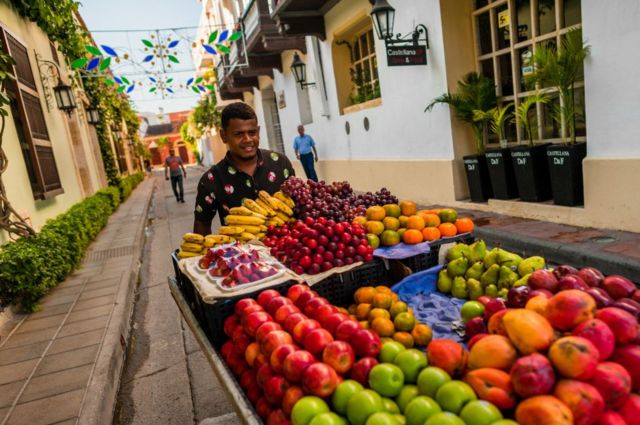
(528, 331)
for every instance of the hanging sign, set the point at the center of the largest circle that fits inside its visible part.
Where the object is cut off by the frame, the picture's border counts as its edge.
(406, 55)
(503, 19)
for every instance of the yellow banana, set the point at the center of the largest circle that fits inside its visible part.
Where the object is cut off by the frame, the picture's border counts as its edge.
(246, 236)
(278, 221)
(251, 229)
(270, 211)
(192, 237)
(245, 211)
(191, 247)
(282, 216)
(260, 236)
(284, 207)
(230, 230)
(243, 219)
(284, 198)
(212, 240)
(268, 199)
(187, 254)
(253, 206)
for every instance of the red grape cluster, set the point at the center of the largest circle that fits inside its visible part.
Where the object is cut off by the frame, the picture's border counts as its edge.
(312, 246)
(336, 201)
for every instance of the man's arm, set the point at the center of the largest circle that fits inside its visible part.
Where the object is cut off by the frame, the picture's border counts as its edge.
(315, 152)
(166, 169)
(184, 172)
(295, 147)
(201, 227)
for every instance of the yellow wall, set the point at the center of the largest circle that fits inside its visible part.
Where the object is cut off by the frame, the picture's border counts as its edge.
(16, 179)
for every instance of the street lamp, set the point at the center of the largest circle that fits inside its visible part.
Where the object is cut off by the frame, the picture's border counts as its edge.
(64, 97)
(62, 92)
(93, 116)
(299, 70)
(383, 16)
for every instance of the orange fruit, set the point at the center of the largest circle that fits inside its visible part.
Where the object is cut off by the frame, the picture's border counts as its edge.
(361, 220)
(464, 225)
(430, 234)
(382, 300)
(391, 223)
(404, 321)
(363, 310)
(430, 211)
(375, 227)
(384, 289)
(375, 213)
(378, 312)
(403, 219)
(422, 335)
(401, 233)
(448, 215)
(397, 308)
(389, 238)
(404, 338)
(353, 317)
(412, 236)
(392, 210)
(408, 207)
(364, 295)
(448, 229)
(352, 308)
(394, 298)
(382, 326)
(373, 240)
(364, 324)
(415, 222)
(431, 220)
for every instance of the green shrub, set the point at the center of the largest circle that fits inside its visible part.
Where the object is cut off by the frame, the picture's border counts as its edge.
(30, 267)
(127, 184)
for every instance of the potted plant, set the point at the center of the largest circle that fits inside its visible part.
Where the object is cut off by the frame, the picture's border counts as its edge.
(500, 168)
(560, 68)
(530, 160)
(475, 92)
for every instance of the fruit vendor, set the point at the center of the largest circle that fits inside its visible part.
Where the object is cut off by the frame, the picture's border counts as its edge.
(242, 173)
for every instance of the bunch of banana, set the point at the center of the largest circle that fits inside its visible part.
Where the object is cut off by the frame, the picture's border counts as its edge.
(279, 207)
(194, 244)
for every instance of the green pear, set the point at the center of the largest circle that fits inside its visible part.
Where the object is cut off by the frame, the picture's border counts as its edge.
(444, 282)
(475, 288)
(458, 251)
(530, 265)
(478, 250)
(490, 277)
(459, 289)
(475, 271)
(491, 290)
(503, 293)
(507, 277)
(457, 267)
(522, 281)
(491, 258)
(509, 259)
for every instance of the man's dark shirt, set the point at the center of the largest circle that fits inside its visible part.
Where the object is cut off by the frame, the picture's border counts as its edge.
(223, 186)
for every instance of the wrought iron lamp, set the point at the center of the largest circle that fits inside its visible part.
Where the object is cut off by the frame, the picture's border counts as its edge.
(93, 115)
(383, 16)
(62, 92)
(299, 70)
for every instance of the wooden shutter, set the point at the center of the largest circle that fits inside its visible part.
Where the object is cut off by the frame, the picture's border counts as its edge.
(30, 122)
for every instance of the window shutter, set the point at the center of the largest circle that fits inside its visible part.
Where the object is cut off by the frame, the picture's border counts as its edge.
(30, 123)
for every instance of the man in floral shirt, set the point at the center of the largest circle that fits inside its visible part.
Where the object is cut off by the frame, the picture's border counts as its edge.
(242, 173)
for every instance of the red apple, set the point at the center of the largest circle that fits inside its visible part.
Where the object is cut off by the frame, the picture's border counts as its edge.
(278, 417)
(254, 320)
(591, 276)
(630, 410)
(248, 379)
(636, 295)
(296, 363)
(285, 311)
(262, 408)
(242, 304)
(618, 286)
(366, 343)
(276, 360)
(572, 281)
(493, 306)
(324, 311)
(274, 389)
(564, 270)
(237, 365)
(361, 368)
(303, 327)
(296, 290)
(544, 292)
(304, 298)
(266, 296)
(346, 329)
(291, 321)
(273, 340)
(260, 360)
(252, 308)
(543, 279)
(319, 379)
(339, 355)
(226, 349)
(263, 374)
(484, 299)
(474, 327)
(265, 328)
(332, 321)
(230, 324)
(240, 342)
(276, 303)
(311, 307)
(602, 298)
(609, 417)
(316, 340)
(291, 397)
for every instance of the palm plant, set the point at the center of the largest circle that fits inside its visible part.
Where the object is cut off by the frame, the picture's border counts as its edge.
(522, 114)
(561, 68)
(475, 93)
(497, 117)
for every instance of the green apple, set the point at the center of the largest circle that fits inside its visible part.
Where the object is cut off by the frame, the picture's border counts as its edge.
(386, 379)
(401, 419)
(480, 412)
(328, 418)
(452, 396)
(444, 418)
(343, 393)
(471, 309)
(430, 379)
(306, 408)
(411, 361)
(390, 405)
(407, 393)
(362, 405)
(389, 351)
(382, 418)
(420, 409)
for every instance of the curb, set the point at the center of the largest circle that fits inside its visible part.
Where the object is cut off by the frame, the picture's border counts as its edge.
(562, 253)
(99, 401)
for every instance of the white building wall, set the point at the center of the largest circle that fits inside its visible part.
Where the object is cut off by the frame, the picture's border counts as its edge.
(611, 78)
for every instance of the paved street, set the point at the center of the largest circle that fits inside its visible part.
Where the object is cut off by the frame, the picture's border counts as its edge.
(166, 378)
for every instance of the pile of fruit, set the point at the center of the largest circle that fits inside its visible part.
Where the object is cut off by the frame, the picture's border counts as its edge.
(312, 246)
(380, 310)
(391, 224)
(236, 265)
(194, 245)
(335, 201)
(472, 271)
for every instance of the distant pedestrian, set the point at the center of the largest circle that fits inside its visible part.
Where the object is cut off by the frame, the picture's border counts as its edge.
(172, 166)
(303, 145)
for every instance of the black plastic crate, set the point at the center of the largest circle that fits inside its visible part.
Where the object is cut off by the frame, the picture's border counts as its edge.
(466, 238)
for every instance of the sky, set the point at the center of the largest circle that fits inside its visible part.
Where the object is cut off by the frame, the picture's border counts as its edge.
(122, 24)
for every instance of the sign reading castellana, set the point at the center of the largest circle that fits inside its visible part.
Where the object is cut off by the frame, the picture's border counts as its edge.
(410, 54)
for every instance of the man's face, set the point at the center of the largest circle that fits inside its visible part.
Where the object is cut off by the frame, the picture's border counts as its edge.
(171, 152)
(301, 130)
(242, 138)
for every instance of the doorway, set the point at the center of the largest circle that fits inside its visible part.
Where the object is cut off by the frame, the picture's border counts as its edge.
(272, 118)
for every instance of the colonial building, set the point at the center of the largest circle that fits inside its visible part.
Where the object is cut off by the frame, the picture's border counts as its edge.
(160, 137)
